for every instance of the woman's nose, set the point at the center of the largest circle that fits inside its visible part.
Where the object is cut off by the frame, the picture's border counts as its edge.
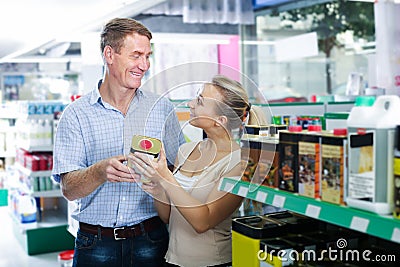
(190, 104)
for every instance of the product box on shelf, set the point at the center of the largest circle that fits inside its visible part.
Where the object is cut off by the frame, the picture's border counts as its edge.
(262, 160)
(334, 167)
(288, 161)
(270, 130)
(371, 132)
(309, 163)
(268, 167)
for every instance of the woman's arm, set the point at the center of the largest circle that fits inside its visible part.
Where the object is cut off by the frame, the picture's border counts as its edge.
(202, 216)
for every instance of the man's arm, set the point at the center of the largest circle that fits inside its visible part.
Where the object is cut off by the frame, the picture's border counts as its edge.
(81, 183)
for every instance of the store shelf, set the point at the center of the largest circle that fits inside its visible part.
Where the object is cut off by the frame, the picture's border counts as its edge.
(47, 193)
(49, 235)
(8, 129)
(30, 173)
(385, 227)
(27, 147)
(7, 154)
(3, 197)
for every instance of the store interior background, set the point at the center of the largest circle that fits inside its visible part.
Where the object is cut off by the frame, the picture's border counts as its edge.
(50, 51)
(53, 56)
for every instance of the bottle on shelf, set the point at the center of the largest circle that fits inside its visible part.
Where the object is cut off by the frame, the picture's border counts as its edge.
(371, 143)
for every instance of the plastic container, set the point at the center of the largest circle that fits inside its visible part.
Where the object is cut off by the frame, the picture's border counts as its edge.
(371, 144)
(65, 258)
(295, 223)
(246, 235)
(396, 174)
(26, 209)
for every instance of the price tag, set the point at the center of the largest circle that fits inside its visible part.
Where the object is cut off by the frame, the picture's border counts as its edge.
(359, 224)
(396, 235)
(261, 197)
(279, 201)
(243, 191)
(228, 187)
(313, 211)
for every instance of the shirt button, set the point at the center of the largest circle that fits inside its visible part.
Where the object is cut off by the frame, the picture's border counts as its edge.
(121, 217)
(123, 198)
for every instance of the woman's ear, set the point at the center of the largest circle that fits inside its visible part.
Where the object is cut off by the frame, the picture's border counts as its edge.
(222, 120)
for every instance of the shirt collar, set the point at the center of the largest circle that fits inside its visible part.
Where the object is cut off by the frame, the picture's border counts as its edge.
(96, 97)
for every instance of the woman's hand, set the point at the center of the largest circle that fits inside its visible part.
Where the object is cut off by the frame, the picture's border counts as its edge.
(153, 169)
(155, 190)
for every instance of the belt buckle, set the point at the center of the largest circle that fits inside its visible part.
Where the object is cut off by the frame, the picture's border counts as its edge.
(116, 234)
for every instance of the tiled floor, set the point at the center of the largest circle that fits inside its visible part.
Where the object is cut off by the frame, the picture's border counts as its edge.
(12, 253)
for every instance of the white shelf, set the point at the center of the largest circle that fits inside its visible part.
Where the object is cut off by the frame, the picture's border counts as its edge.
(48, 193)
(7, 154)
(30, 173)
(35, 116)
(8, 129)
(50, 218)
(26, 146)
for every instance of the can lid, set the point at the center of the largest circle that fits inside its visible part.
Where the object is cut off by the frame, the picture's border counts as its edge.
(295, 128)
(340, 131)
(314, 128)
(66, 255)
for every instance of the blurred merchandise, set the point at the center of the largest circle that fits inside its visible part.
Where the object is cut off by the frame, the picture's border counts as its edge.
(355, 84)
(371, 144)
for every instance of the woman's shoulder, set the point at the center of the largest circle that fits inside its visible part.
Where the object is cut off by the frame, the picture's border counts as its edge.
(189, 146)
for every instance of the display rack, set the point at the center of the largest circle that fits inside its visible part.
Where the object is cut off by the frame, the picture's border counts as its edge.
(385, 227)
(50, 233)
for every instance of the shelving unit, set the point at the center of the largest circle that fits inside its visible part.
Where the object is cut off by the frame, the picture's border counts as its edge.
(49, 233)
(384, 227)
(3, 197)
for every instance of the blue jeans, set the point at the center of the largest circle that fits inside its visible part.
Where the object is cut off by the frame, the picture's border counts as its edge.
(147, 250)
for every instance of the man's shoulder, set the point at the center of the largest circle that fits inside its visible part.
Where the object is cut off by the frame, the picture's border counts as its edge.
(82, 103)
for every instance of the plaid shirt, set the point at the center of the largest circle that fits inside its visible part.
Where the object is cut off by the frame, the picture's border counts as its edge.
(91, 130)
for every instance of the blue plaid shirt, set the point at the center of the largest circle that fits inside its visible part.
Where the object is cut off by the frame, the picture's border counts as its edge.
(91, 130)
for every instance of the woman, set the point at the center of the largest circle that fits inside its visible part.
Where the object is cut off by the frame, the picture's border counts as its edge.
(188, 199)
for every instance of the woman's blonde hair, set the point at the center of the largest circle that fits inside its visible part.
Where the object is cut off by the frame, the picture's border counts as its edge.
(236, 99)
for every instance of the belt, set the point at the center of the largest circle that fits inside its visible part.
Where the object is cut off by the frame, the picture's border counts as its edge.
(120, 233)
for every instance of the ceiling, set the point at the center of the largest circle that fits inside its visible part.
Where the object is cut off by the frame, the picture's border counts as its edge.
(29, 24)
(31, 28)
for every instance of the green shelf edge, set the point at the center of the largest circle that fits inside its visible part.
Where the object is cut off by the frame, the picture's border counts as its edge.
(3, 197)
(45, 239)
(385, 227)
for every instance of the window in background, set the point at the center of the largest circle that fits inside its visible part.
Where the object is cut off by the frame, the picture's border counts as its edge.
(345, 39)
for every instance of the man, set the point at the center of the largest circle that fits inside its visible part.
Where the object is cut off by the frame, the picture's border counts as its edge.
(118, 224)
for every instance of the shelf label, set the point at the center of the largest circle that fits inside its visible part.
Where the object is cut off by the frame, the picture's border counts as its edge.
(313, 211)
(243, 191)
(359, 224)
(396, 235)
(261, 196)
(228, 187)
(279, 201)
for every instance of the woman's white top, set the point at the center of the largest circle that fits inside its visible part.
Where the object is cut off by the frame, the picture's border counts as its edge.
(187, 247)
